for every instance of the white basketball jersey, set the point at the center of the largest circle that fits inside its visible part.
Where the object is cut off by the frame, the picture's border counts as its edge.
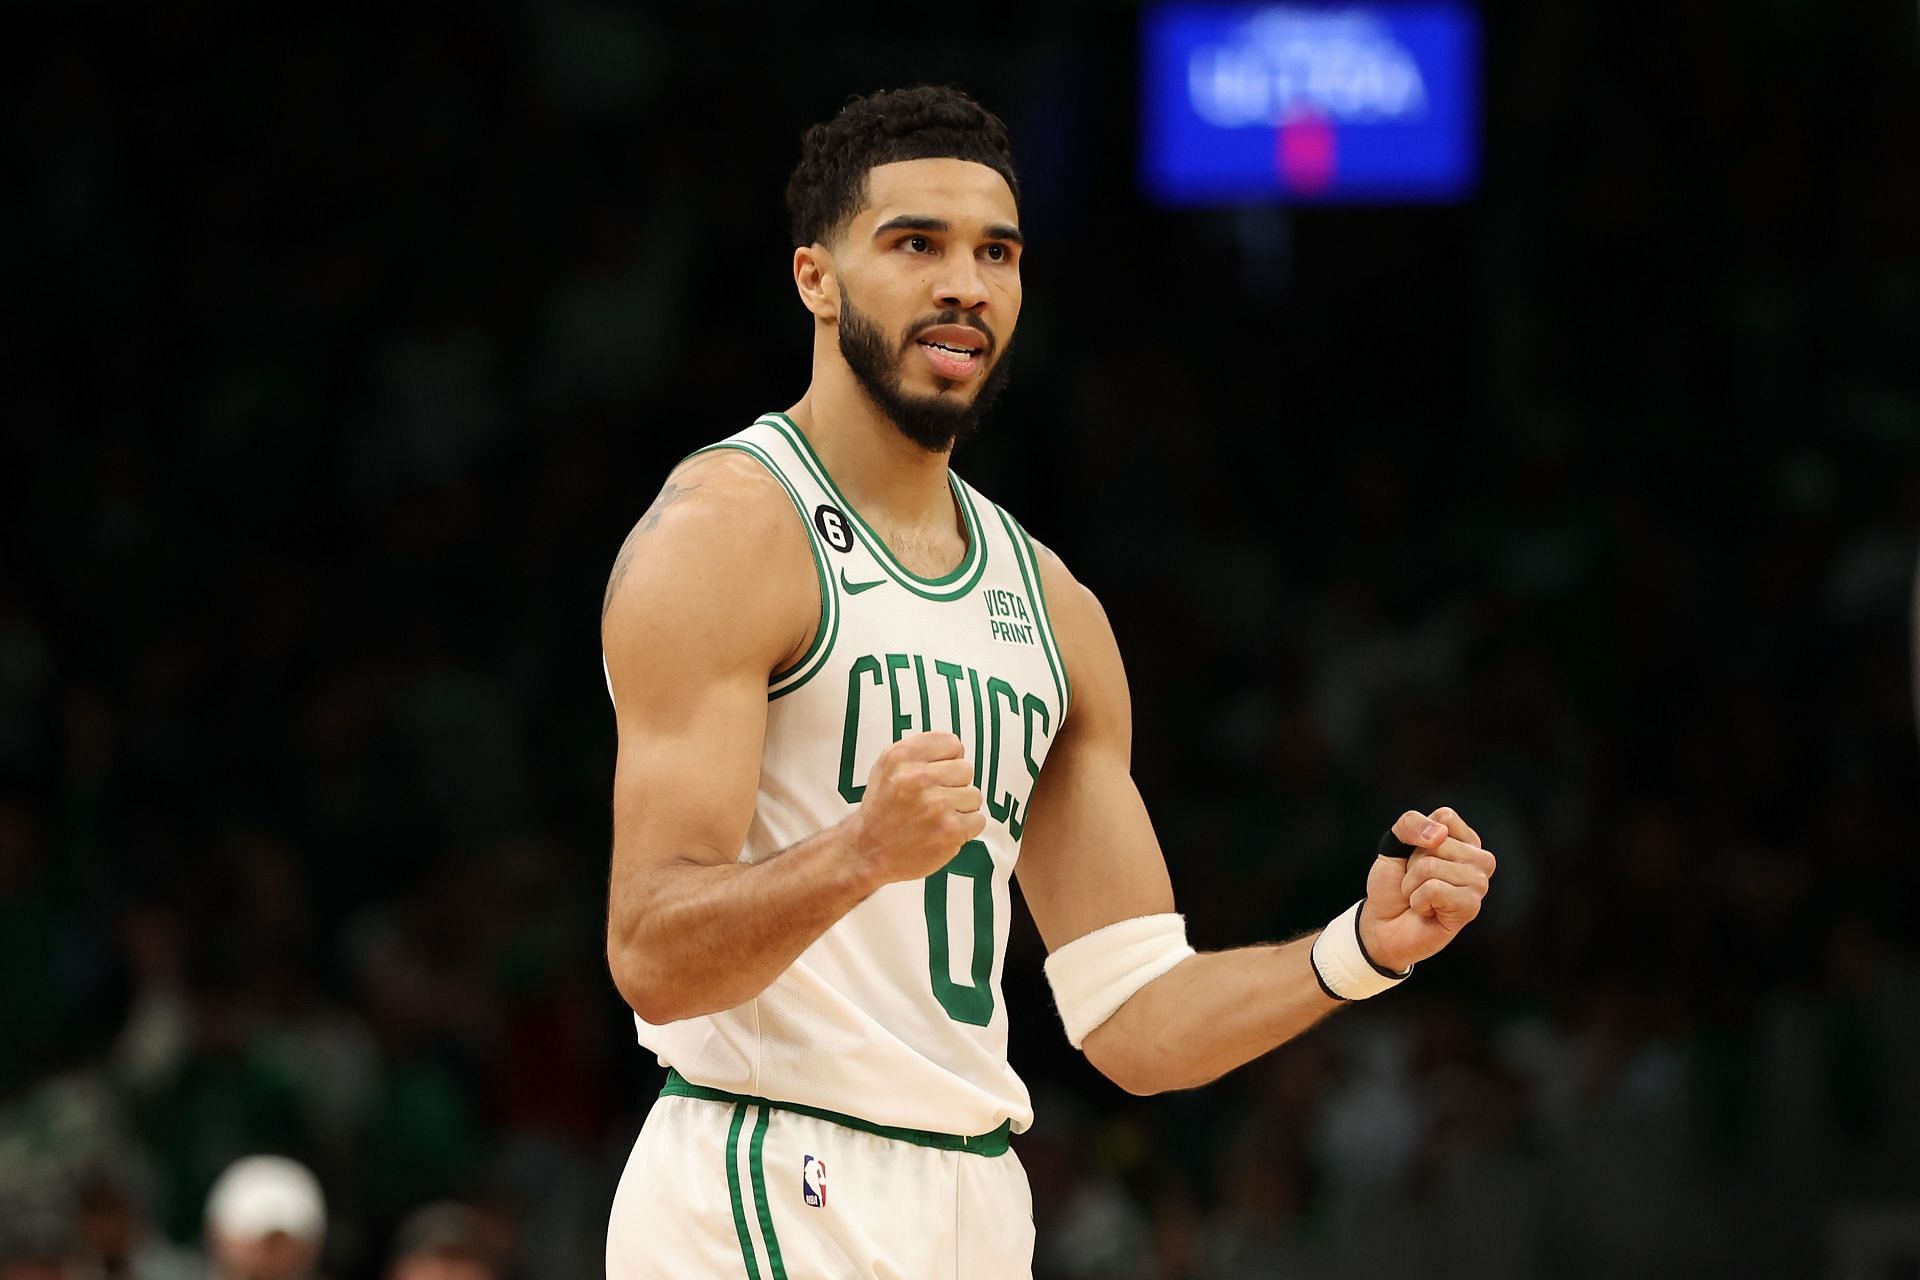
(894, 1015)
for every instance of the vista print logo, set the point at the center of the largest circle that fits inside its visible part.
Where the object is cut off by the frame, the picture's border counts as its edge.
(813, 1181)
(1291, 62)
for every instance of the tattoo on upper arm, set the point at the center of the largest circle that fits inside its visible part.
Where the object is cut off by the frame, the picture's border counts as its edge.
(670, 494)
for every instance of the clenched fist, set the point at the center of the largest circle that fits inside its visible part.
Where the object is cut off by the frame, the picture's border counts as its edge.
(919, 808)
(1416, 905)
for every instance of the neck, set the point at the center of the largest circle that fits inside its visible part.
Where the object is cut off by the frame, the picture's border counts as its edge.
(881, 472)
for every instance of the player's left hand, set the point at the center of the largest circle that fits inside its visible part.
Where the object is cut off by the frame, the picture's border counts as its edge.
(1415, 905)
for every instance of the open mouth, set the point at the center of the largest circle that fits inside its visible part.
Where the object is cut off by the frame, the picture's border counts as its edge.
(963, 352)
(954, 351)
(951, 362)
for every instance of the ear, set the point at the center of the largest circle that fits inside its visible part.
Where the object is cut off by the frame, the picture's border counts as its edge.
(817, 281)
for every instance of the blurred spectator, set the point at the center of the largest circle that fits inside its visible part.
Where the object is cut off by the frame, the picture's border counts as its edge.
(266, 1220)
(114, 1240)
(31, 1247)
(226, 1097)
(447, 1241)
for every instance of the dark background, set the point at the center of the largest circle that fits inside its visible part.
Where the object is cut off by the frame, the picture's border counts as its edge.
(343, 348)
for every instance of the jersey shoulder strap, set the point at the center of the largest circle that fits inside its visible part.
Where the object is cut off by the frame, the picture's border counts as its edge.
(1029, 563)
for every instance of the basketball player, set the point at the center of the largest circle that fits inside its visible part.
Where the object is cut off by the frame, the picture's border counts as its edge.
(851, 692)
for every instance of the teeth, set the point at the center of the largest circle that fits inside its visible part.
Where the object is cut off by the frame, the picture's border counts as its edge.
(958, 351)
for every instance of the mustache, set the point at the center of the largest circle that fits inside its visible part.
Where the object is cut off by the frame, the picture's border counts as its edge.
(973, 322)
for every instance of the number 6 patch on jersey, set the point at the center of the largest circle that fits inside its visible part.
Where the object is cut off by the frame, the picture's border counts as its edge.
(813, 1181)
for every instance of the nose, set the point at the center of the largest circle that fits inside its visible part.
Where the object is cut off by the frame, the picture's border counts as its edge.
(961, 287)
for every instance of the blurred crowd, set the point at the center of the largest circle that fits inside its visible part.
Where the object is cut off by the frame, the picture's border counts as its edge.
(266, 1219)
(1590, 509)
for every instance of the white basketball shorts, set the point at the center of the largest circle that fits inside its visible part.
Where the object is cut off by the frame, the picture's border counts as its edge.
(720, 1185)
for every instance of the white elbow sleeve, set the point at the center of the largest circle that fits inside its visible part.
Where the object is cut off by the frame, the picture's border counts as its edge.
(1093, 976)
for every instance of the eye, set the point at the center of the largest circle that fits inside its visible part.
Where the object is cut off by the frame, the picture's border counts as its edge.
(917, 244)
(997, 253)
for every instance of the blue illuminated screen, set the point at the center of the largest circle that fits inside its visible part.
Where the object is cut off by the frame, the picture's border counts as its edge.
(1359, 104)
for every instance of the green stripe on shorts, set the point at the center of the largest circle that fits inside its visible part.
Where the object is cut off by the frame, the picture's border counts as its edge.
(733, 1189)
(760, 1194)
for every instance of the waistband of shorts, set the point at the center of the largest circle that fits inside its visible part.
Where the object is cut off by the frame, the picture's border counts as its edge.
(994, 1143)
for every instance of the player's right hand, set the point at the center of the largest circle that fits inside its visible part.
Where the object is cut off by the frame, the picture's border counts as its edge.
(920, 806)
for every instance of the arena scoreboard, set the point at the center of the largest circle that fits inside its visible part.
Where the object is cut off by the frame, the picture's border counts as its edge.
(1299, 103)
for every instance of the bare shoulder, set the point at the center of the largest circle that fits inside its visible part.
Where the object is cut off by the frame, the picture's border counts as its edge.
(700, 498)
(1086, 640)
(720, 553)
(1079, 619)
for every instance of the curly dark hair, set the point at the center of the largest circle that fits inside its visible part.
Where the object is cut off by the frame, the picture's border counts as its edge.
(924, 122)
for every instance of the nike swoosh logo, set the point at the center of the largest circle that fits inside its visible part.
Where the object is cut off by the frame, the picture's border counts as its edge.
(855, 588)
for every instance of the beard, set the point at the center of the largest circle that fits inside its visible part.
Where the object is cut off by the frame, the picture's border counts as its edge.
(937, 423)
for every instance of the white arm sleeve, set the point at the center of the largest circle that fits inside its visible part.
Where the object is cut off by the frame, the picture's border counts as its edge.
(1094, 975)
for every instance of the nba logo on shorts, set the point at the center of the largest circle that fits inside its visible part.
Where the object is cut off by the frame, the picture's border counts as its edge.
(813, 1181)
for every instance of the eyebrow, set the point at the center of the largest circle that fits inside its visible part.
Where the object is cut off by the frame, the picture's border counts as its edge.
(921, 222)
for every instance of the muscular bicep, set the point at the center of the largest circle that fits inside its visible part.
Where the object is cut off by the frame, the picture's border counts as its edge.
(1089, 856)
(689, 753)
(713, 590)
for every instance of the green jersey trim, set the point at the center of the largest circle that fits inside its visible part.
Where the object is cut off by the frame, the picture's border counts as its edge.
(781, 683)
(994, 1143)
(950, 586)
(1037, 594)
